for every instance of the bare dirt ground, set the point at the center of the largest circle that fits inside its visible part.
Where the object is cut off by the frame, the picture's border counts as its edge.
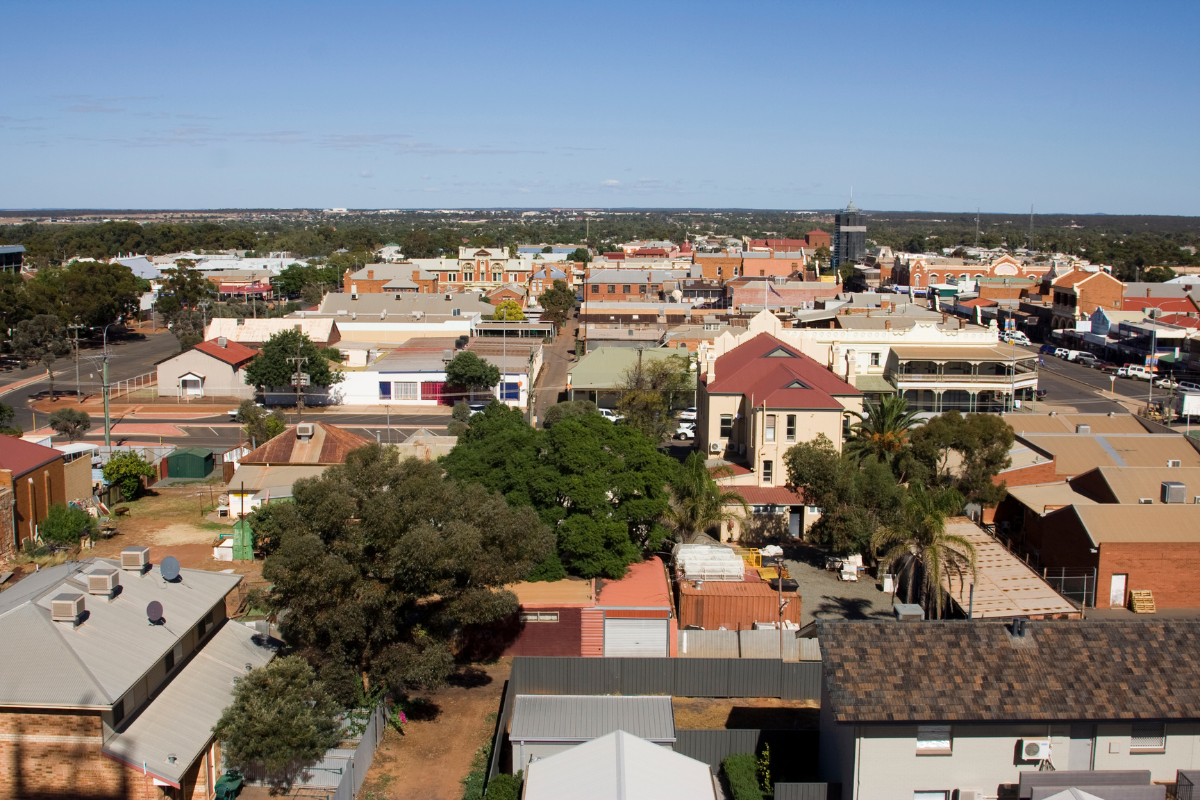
(766, 713)
(430, 759)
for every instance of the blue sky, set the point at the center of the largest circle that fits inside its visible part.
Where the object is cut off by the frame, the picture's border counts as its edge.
(1072, 106)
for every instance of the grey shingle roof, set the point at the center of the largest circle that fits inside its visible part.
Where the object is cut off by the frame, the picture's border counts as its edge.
(976, 671)
(577, 718)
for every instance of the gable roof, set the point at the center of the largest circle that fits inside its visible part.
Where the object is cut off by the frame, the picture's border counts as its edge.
(1064, 670)
(547, 717)
(1076, 277)
(1075, 453)
(775, 373)
(233, 353)
(20, 456)
(329, 445)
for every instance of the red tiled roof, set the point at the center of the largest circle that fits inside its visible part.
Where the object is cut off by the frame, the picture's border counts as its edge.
(335, 444)
(769, 495)
(979, 301)
(20, 456)
(233, 353)
(788, 379)
(1181, 320)
(1077, 277)
(1183, 305)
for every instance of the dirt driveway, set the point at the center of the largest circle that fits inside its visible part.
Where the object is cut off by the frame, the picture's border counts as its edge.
(430, 759)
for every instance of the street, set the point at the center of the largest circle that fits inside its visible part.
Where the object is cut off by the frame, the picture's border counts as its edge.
(1072, 384)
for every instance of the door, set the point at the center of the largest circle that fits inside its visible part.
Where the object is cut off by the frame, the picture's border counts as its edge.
(1116, 595)
(191, 387)
(794, 522)
(635, 638)
(1079, 757)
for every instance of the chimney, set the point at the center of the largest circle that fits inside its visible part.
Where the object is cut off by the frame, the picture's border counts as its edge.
(945, 317)
(416, 275)
(887, 324)
(222, 341)
(1147, 291)
(962, 323)
(370, 274)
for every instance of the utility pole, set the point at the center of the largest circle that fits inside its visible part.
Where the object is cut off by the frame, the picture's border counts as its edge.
(78, 393)
(298, 360)
(104, 376)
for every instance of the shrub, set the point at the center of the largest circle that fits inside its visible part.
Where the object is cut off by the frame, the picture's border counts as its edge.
(741, 771)
(504, 787)
(70, 422)
(126, 470)
(65, 524)
(461, 411)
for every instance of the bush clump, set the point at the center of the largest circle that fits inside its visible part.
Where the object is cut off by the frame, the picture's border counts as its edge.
(504, 787)
(741, 771)
(64, 525)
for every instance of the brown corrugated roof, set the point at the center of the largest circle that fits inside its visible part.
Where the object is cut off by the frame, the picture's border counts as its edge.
(232, 353)
(329, 445)
(1076, 453)
(1065, 423)
(1152, 524)
(1060, 670)
(21, 456)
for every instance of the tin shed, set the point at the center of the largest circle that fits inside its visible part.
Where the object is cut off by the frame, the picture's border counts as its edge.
(190, 462)
(712, 605)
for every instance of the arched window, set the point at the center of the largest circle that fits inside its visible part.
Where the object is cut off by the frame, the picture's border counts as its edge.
(977, 276)
(933, 278)
(963, 277)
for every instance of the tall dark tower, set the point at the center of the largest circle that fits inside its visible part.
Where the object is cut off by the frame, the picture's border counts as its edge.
(849, 236)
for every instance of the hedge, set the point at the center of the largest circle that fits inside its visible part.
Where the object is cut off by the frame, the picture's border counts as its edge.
(741, 770)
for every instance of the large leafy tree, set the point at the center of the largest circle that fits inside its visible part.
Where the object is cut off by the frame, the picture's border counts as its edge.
(982, 442)
(509, 311)
(882, 430)
(698, 503)
(568, 409)
(126, 470)
(93, 292)
(600, 487)
(41, 341)
(468, 371)
(271, 366)
(650, 391)
(281, 720)
(70, 422)
(918, 539)
(557, 302)
(259, 425)
(380, 562)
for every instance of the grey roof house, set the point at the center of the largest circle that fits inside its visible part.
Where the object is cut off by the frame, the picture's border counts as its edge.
(931, 710)
(543, 725)
(118, 673)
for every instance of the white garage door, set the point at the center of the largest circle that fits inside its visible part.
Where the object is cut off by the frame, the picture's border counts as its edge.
(635, 638)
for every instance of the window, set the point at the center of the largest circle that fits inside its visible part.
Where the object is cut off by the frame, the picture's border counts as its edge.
(933, 740)
(625, 289)
(770, 428)
(539, 616)
(385, 390)
(768, 471)
(510, 391)
(874, 359)
(206, 623)
(791, 427)
(118, 712)
(406, 390)
(1148, 738)
(170, 660)
(432, 390)
(726, 426)
(595, 288)
(641, 288)
(612, 289)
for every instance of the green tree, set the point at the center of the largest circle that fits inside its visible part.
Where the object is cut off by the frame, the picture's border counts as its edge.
(882, 430)
(70, 422)
(126, 470)
(470, 372)
(741, 772)
(600, 487)
(698, 503)
(97, 293)
(312, 294)
(260, 426)
(64, 524)
(557, 302)
(919, 538)
(509, 311)
(271, 366)
(382, 561)
(823, 257)
(185, 284)
(41, 341)
(581, 255)
(7, 414)
(651, 389)
(282, 719)
(567, 410)
(982, 442)
(547, 249)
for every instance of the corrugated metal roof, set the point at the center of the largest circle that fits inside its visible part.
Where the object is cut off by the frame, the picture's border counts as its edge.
(708, 644)
(765, 644)
(114, 646)
(578, 718)
(180, 720)
(619, 765)
(255, 476)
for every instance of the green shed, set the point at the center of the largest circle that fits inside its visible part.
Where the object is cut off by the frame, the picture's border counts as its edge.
(243, 541)
(190, 462)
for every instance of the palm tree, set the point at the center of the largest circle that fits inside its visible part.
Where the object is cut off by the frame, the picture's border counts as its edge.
(882, 429)
(920, 535)
(698, 502)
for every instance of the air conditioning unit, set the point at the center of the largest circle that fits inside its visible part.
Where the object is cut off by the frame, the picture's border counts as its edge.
(304, 430)
(1083, 428)
(970, 794)
(714, 447)
(1145, 501)
(103, 582)
(1035, 749)
(66, 608)
(1174, 462)
(1173, 492)
(135, 558)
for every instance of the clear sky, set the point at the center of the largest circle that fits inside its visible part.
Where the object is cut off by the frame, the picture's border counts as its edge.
(1072, 106)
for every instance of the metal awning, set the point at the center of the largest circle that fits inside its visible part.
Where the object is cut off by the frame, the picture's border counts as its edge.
(873, 384)
(971, 353)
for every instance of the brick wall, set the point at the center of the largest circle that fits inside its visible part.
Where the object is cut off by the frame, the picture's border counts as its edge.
(7, 543)
(562, 638)
(1102, 290)
(718, 268)
(34, 499)
(1168, 569)
(1042, 472)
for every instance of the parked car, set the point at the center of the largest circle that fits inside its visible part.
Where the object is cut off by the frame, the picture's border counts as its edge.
(1041, 394)
(688, 413)
(1015, 337)
(1188, 386)
(478, 407)
(1061, 352)
(686, 430)
(1104, 366)
(1166, 383)
(611, 415)
(1138, 372)
(1047, 349)
(1086, 359)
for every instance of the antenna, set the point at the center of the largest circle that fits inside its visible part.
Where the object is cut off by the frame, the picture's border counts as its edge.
(154, 612)
(169, 568)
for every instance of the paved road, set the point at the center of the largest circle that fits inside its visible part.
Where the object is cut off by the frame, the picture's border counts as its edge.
(551, 386)
(1074, 384)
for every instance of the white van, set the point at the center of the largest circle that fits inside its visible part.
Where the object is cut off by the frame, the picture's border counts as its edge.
(1138, 372)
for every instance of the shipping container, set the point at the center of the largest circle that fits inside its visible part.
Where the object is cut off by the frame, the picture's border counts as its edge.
(711, 605)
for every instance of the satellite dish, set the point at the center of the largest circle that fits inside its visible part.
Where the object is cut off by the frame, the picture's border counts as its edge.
(169, 568)
(154, 612)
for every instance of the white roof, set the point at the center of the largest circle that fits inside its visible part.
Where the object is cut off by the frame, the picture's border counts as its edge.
(619, 765)
(260, 330)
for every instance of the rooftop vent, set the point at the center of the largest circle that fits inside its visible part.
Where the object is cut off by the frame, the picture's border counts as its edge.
(448, 355)
(1145, 501)
(222, 341)
(135, 558)
(1173, 492)
(304, 431)
(1174, 462)
(104, 582)
(1083, 428)
(67, 607)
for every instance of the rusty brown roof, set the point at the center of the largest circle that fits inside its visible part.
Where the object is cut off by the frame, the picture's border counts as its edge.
(976, 671)
(329, 445)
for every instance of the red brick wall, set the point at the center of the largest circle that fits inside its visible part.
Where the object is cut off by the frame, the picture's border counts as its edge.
(560, 638)
(720, 267)
(32, 508)
(1102, 290)
(1168, 569)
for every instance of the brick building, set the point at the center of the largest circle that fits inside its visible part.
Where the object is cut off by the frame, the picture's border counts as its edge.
(632, 285)
(719, 267)
(922, 271)
(383, 278)
(35, 475)
(99, 701)
(1075, 295)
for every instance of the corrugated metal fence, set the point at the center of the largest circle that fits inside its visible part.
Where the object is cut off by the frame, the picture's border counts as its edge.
(802, 791)
(683, 677)
(747, 644)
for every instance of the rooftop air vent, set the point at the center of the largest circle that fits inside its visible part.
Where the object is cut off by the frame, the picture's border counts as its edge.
(222, 341)
(304, 430)
(1173, 492)
(1083, 428)
(135, 558)
(67, 607)
(104, 582)
(1174, 462)
(1145, 501)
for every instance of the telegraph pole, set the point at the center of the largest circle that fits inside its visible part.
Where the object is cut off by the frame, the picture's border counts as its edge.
(298, 360)
(78, 393)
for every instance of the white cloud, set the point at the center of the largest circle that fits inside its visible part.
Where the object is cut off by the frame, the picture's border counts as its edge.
(365, 174)
(610, 182)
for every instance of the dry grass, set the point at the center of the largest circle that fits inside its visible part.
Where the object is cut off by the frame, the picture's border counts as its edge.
(767, 713)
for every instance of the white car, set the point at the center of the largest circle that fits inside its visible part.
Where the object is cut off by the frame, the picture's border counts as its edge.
(611, 415)
(1166, 383)
(688, 414)
(478, 408)
(686, 430)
